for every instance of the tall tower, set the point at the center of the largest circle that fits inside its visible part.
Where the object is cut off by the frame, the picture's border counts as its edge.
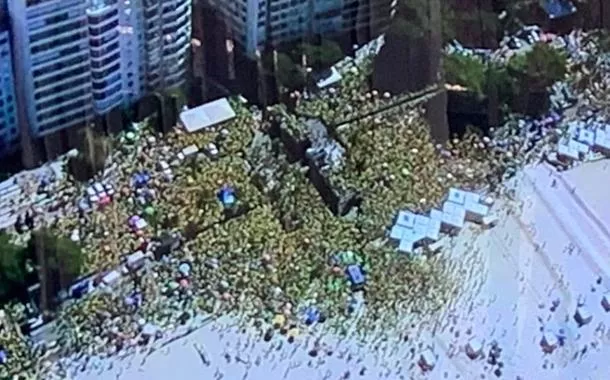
(51, 46)
(9, 132)
(105, 55)
(165, 31)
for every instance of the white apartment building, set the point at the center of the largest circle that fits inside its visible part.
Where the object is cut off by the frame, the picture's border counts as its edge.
(78, 58)
(52, 62)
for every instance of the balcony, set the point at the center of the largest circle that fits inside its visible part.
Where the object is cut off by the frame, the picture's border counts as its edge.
(104, 72)
(60, 109)
(76, 83)
(96, 43)
(100, 64)
(182, 8)
(98, 32)
(179, 23)
(60, 40)
(70, 71)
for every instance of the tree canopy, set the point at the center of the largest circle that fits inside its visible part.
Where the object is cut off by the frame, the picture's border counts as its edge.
(289, 71)
(466, 71)
(93, 151)
(542, 66)
(12, 267)
(62, 256)
(319, 56)
(54, 260)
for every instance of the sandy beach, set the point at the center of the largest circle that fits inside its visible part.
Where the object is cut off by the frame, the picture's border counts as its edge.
(525, 276)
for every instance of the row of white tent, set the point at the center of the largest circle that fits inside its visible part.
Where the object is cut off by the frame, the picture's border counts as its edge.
(581, 141)
(411, 230)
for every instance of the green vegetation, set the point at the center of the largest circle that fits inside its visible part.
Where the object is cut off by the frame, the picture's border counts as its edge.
(289, 70)
(466, 71)
(540, 67)
(55, 261)
(12, 267)
(522, 75)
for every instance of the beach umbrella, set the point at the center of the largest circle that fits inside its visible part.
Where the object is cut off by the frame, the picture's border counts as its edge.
(279, 320)
(185, 269)
(149, 211)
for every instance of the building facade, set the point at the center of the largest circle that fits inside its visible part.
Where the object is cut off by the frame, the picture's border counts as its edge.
(79, 58)
(254, 23)
(9, 133)
(52, 60)
(105, 55)
(166, 35)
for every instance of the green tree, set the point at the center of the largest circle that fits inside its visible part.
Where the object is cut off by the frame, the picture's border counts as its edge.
(289, 75)
(59, 261)
(319, 56)
(467, 71)
(540, 67)
(13, 273)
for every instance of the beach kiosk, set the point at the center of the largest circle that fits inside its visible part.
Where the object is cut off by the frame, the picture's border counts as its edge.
(582, 316)
(427, 360)
(474, 348)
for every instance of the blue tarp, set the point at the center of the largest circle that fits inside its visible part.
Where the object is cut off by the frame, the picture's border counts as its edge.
(226, 196)
(355, 274)
(558, 8)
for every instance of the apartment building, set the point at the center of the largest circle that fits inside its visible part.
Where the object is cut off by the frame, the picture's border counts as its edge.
(256, 22)
(105, 55)
(52, 61)
(9, 135)
(81, 58)
(166, 33)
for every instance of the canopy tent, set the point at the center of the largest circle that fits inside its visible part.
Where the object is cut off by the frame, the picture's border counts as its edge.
(207, 115)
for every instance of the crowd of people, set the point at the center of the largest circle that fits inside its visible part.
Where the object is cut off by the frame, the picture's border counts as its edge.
(261, 253)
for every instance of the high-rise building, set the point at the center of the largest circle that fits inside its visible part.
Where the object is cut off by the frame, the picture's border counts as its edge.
(9, 134)
(105, 54)
(255, 23)
(166, 35)
(79, 58)
(52, 61)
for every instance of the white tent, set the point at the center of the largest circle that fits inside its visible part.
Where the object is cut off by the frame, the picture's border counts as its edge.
(474, 348)
(135, 259)
(427, 360)
(583, 316)
(549, 341)
(207, 115)
(111, 277)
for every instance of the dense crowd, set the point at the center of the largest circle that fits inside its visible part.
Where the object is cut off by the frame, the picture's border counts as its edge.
(264, 249)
